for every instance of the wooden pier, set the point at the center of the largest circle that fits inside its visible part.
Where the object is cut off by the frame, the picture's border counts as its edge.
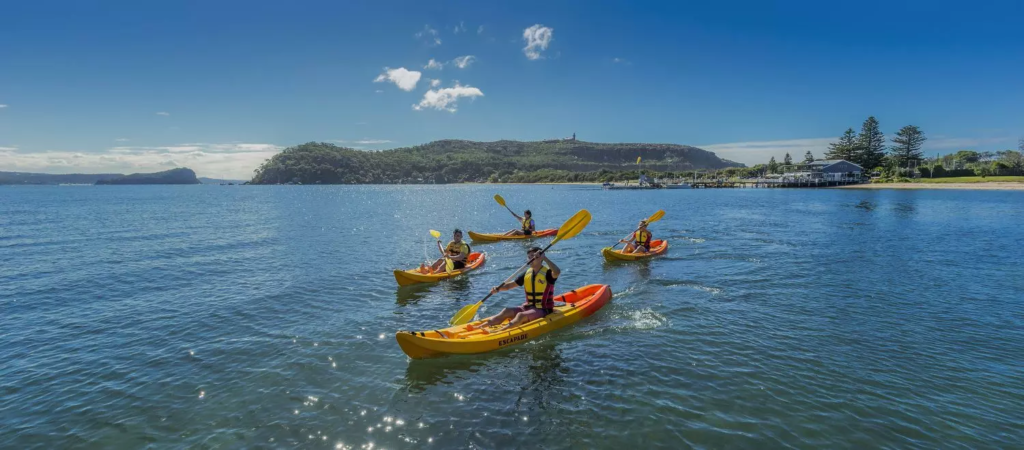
(769, 183)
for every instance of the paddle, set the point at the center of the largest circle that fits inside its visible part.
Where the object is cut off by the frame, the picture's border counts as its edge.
(654, 218)
(568, 230)
(448, 264)
(501, 201)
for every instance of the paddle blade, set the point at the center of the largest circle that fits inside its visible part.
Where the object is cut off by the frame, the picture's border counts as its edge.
(656, 216)
(638, 160)
(449, 265)
(500, 200)
(465, 315)
(436, 234)
(573, 226)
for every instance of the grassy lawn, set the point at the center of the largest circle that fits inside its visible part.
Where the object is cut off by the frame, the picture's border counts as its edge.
(971, 179)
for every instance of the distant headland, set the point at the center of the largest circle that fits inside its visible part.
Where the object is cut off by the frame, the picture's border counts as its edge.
(460, 161)
(173, 176)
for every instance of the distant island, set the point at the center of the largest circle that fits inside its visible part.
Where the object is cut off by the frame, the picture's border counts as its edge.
(173, 176)
(46, 178)
(459, 161)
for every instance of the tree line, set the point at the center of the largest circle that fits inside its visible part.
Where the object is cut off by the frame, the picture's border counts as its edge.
(903, 154)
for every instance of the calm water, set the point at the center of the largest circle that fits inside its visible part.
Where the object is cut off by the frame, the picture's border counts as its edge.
(229, 317)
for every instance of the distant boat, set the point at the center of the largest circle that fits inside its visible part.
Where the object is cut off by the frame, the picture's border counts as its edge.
(678, 186)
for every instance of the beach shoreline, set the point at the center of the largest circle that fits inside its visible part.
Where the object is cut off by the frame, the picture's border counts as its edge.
(984, 186)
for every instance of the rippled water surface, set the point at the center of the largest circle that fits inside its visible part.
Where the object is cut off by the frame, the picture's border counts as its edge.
(238, 316)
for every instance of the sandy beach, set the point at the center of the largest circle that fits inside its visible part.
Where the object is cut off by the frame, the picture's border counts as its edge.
(992, 186)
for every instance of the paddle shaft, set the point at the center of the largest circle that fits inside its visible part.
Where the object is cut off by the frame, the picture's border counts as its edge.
(516, 273)
(627, 237)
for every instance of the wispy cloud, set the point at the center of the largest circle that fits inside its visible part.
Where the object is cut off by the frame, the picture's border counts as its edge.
(162, 113)
(405, 79)
(537, 39)
(621, 61)
(3, 106)
(434, 65)
(435, 83)
(220, 160)
(463, 62)
(943, 142)
(460, 28)
(480, 30)
(446, 99)
(120, 140)
(429, 36)
(759, 152)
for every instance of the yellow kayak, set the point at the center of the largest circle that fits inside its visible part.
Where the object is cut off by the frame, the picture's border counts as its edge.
(580, 303)
(491, 237)
(658, 247)
(413, 276)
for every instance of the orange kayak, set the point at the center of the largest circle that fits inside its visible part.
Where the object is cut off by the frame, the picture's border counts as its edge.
(579, 304)
(491, 237)
(658, 247)
(413, 276)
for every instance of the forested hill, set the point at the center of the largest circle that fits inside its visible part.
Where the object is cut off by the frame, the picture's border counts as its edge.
(456, 161)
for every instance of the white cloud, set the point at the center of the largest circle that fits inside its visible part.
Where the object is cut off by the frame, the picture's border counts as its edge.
(3, 106)
(434, 65)
(379, 91)
(226, 160)
(537, 39)
(621, 61)
(463, 62)
(446, 99)
(480, 30)
(461, 27)
(120, 140)
(435, 83)
(759, 152)
(161, 113)
(405, 79)
(429, 36)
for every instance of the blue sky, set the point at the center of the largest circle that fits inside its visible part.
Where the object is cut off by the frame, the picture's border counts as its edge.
(128, 86)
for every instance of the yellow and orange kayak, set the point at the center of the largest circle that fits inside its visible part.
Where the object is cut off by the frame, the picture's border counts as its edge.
(413, 276)
(658, 247)
(491, 237)
(579, 303)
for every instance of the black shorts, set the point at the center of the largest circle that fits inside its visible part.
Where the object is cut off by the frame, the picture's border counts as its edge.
(527, 232)
(458, 264)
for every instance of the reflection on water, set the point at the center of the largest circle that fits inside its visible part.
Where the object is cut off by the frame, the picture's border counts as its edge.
(545, 368)
(456, 289)
(865, 205)
(904, 208)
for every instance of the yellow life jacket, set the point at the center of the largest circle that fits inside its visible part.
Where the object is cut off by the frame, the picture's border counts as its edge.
(457, 249)
(527, 224)
(539, 293)
(643, 238)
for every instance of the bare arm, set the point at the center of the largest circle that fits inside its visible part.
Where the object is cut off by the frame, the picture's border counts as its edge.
(555, 271)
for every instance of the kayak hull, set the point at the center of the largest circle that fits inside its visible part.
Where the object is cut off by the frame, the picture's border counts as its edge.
(413, 276)
(492, 237)
(658, 247)
(580, 303)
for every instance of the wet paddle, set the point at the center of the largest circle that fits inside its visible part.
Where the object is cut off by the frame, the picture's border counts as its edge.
(448, 264)
(568, 230)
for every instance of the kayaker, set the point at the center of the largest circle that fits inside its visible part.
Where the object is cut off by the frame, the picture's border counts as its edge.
(539, 283)
(639, 241)
(527, 228)
(456, 250)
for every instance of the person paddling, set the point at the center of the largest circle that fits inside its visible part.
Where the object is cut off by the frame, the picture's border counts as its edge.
(456, 250)
(527, 225)
(539, 283)
(639, 241)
